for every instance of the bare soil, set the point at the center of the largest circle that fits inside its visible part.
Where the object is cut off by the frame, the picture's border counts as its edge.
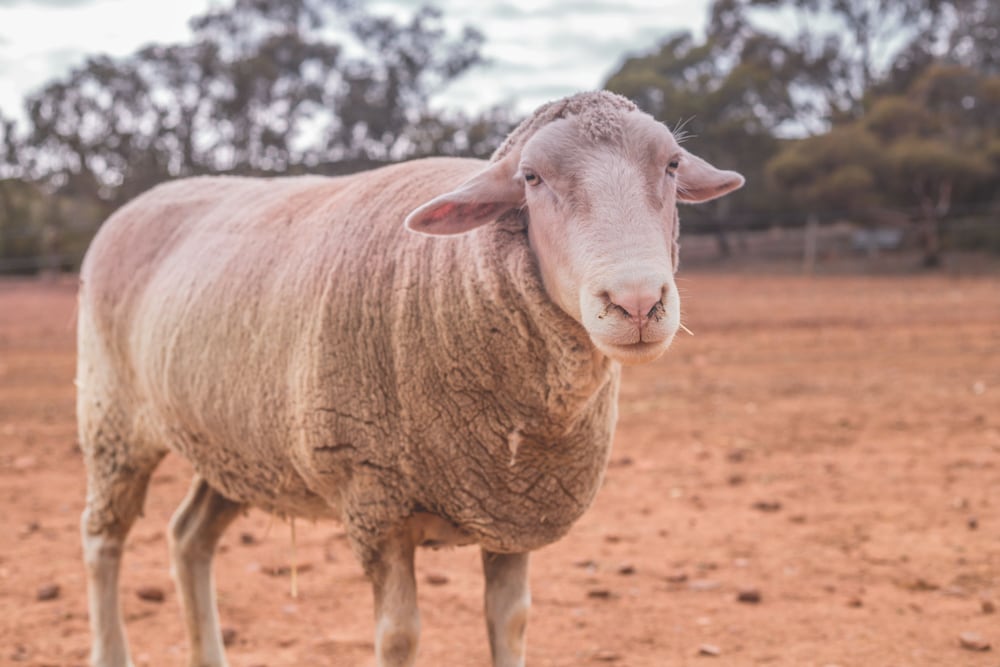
(826, 449)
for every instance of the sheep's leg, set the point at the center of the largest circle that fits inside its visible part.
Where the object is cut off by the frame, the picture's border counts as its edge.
(115, 495)
(507, 604)
(397, 620)
(195, 530)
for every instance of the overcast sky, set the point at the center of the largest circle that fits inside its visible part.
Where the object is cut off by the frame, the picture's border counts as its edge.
(539, 49)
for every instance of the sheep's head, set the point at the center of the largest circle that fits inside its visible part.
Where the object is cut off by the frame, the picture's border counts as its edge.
(600, 181)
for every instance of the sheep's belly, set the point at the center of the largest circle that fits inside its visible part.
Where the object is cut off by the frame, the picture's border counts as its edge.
(258, 478)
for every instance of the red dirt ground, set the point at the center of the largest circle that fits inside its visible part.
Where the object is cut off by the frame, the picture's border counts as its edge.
(832, 443)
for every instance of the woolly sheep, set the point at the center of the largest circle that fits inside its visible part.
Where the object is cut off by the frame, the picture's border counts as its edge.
(311, 357)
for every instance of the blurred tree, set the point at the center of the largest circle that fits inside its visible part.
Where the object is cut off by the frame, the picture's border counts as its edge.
(263, 88)
(974, 38)
(920, 152)
(853, 43)
(727, 96)
(833, 173)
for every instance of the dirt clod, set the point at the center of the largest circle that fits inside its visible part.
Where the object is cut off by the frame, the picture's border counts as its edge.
(678, 577)
(228, 636)
(767, 505)
(600, 594)
(48, 592)
(748, 596)
(437, 578)
(150, 593)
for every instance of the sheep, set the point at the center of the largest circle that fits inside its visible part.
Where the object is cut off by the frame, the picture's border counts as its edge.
(314, 349)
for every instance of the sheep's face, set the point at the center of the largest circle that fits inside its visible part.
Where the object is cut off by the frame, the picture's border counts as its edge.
(601, 204)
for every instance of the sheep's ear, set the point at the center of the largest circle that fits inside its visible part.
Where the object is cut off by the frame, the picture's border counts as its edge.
(698, 181)
(481, 199)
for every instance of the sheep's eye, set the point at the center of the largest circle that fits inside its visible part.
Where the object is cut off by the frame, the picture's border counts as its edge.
(531, 178)
(672, 166)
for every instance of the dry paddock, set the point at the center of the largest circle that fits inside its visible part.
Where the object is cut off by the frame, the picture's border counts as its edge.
(827, 448)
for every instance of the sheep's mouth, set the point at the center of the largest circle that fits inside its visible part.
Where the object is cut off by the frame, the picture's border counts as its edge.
(640, 352)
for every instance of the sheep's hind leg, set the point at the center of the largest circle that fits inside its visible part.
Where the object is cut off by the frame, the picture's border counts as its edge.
(507, 604)
(195, 530)
(397, 619)
(117, 480)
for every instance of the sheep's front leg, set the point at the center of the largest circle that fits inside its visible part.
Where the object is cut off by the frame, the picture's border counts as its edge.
(397, 620)
(507, 604)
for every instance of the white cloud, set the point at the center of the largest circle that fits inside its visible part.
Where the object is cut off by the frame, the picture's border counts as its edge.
(47, 3)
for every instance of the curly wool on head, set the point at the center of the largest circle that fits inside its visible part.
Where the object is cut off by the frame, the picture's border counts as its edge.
(598, 112)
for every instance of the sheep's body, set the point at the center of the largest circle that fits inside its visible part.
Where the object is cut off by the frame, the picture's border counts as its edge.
(309, 356)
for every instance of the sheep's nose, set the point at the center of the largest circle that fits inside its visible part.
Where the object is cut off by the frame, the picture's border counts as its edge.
(639, 303)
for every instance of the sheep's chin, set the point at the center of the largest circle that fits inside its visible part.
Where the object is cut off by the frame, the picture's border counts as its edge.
(635, 353)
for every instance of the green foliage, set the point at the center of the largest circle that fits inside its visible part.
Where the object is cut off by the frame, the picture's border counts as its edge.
(914, 159)
(836, 171)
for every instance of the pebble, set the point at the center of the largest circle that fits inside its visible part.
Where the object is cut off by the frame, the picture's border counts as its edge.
(605, 655)
(678, 577)
(247, 539)
(626, 569)
(228, 636)
(767, 505)
(150, 593)
(599, 593)
(972, 641)
(702, 585)
(987, 606)
(748, 596)
(709, 649)
(436, 579)
(48, 592)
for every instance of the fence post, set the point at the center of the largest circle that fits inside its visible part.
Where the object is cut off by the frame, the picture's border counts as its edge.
(809, 244)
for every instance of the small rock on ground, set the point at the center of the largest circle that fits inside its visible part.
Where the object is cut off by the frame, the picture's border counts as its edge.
(48, 592)
(151, 594)
(709, 650)
(436, 579)
(605, 655)
(973, 641)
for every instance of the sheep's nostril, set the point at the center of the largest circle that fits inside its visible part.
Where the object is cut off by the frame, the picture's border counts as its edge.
(657, 311)
(637, 305)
